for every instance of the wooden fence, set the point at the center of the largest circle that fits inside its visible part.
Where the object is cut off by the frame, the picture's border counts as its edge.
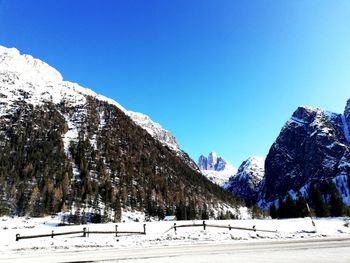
(85, 233)
(229, 227)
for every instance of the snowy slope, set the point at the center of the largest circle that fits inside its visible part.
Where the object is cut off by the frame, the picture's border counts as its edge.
(216, 169)
(157, 234)
(41, 83)
(245, 183)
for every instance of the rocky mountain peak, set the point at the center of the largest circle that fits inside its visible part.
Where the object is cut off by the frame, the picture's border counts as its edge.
(346, 121)
(202, 162)
(347, 108)
(253, 164)
(246, 182)
(216, 168)
(312, 147)
(305, 113)
(26, 66)
(212, 161)
(34, 81)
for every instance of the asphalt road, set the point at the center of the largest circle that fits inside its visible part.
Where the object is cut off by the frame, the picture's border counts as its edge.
(305, 250)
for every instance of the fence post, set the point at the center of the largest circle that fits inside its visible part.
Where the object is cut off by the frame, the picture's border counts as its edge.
(254, 229)
(116, 230)
(229, 227)
(175, 227)
(52, 234)
(144, 229)
(17, 237)
(204, 225)
(84, 232)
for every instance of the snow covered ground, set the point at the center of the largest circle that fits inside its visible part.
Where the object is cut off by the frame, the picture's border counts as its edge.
(316, 250)
(157, 234)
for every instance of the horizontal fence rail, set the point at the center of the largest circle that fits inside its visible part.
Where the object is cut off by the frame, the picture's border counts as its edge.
(85, 233)
(229, 227)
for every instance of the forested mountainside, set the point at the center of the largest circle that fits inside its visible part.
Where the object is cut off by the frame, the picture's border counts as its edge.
(64, 147)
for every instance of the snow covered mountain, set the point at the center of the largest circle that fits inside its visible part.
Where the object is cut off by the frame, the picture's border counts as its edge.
(62, 145)
(312, 149)
(47, 85)
(245, 183)
(215, 168)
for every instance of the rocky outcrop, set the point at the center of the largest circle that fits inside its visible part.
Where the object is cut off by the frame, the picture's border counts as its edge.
(312, 147)
(215, 168)
(246, 183)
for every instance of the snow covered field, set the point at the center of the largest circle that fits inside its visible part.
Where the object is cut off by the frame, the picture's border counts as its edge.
(157, 234)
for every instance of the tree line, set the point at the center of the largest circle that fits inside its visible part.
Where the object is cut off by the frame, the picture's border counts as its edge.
(321, 205)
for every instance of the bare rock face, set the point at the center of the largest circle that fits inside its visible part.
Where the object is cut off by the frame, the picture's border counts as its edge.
(216, 168)
(313, 146)
(246, 183)
(203, 162)
(346, 121)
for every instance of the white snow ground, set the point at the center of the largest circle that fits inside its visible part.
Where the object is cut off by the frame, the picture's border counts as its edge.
(156, 234)
(316, 250)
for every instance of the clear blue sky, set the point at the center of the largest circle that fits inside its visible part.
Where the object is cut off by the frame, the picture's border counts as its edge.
(222, 75)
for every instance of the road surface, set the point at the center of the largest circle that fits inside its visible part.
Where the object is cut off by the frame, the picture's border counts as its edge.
(305, 250)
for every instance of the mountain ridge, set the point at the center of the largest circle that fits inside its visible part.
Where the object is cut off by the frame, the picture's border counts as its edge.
(64, 146)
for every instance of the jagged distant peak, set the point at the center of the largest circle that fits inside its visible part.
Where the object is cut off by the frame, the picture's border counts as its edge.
(215, 168)
(347, 110)
(213, 162)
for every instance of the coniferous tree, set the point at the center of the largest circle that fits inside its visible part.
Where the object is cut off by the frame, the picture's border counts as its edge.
(83, 218)
(273, 211)
(205, 215)
(160, 213)
(301, 207)
(180, 212)
(318, 202)
(256, 212)
(290, 207)
(117, 210)
(281, 208)
(336, 204)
